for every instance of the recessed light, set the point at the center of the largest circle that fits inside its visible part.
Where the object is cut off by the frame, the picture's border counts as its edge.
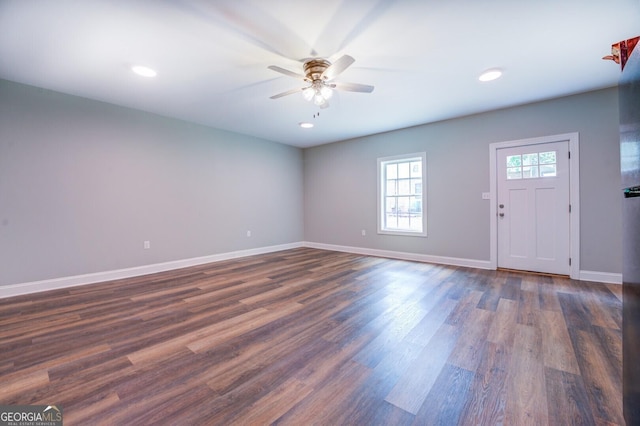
(490, 75)
(305, 125)
(143, 71)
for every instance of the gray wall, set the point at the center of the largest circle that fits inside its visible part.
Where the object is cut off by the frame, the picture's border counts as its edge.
(84, 183)
(340, 180)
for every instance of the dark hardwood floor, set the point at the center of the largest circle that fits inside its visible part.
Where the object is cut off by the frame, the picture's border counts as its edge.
(309, 336)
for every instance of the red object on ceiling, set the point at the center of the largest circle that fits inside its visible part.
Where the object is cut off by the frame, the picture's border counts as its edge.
(621, 51)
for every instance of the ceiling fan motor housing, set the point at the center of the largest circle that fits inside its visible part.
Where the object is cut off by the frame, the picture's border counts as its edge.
(314, 68)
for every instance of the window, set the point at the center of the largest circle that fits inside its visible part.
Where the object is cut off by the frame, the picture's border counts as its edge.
(401, 198)
(534, 165)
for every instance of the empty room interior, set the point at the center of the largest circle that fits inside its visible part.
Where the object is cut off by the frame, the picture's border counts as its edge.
(244, 212)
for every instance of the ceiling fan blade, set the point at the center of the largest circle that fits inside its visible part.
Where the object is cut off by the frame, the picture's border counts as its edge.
(254, 24)
(286, 72)
(337, 67)
(288, 92)
(353, 87)
(342, 29)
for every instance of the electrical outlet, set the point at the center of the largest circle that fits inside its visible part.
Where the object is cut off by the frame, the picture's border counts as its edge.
(364, 233)
(248, 233)
(486, 195)
(147, 245)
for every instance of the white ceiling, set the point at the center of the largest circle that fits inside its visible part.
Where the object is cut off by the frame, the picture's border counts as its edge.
(423, 57)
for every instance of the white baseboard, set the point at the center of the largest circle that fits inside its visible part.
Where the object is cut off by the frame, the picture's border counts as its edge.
(77, 280)
(601, 277)
(64, 282)
(453, 261)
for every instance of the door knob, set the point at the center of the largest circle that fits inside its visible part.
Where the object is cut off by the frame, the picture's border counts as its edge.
(501, 214)
(501, 206)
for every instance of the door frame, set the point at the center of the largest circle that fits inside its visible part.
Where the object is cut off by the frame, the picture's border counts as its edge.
(574, 194)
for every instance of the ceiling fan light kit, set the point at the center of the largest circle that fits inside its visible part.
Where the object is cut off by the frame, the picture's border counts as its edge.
(319, 73)
(318, 93)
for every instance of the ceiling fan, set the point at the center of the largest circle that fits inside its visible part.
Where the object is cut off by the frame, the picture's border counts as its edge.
(320, 73)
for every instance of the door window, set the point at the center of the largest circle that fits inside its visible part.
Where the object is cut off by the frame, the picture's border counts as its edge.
(532, 165)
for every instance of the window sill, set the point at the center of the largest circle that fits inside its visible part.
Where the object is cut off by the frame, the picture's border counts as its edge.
(402, 233)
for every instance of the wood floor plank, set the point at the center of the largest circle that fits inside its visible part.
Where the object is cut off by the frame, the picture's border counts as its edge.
(493, 293)
(502, 329)
(603, 388)
(556, 344)
(177, 343)
(328, 402)
(610, 342)
(19, 383)
(235, 360)
(308, 336)
(462, 310)
(87, 385)
(526, 387)
(275, 404)
(412, 389)
(367, 405)
(575, 313)
(529, 306)
(444, 404)
(230, 329)
(422, 333)
(602, 314)
(91, 410)
(567, 399)
(548, 296)
(402, 321)
(471, 343)
(487, 396)
(511, 289)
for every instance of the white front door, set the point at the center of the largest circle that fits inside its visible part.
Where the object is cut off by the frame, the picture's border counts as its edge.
(534, 207)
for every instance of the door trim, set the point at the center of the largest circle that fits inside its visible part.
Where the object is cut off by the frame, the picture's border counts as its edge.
(574, 195)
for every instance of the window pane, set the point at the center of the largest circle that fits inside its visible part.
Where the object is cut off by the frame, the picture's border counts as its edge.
(548, 157)
(392, 171)
(391, 212)
(390, 205)
(514, 160)
(416, 169)
(415, 205)
(514, 173)
(391, 187)
(530, 172)
(403, 205)
(404, 186)
(530, 159)
(416, 186)
(403, 222)
(403, 170)
(548, 170)
(392, 221)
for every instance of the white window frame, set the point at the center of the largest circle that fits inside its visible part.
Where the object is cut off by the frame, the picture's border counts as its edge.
(419, 156)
